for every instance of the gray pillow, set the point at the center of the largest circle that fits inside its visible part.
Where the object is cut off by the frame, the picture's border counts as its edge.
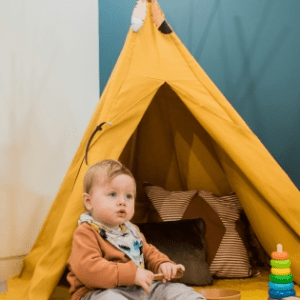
(183, 242)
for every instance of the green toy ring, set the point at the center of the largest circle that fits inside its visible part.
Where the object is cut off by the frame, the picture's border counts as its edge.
(281, 279)
(280, 263)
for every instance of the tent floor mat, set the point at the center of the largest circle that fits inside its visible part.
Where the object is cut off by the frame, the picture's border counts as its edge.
(255, 288)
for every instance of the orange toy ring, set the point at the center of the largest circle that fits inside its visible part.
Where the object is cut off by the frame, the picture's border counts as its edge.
(280, 256)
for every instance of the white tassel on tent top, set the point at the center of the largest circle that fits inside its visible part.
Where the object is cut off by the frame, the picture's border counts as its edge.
(139, 15)
(158, 17)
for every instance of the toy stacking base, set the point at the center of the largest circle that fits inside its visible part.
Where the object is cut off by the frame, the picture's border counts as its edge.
(220, 294)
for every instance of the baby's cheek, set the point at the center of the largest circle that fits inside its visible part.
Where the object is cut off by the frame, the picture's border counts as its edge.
(106, 212)
(132, 206)
(131, 211)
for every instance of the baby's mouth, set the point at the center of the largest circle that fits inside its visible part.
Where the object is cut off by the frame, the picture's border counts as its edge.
(121, 212)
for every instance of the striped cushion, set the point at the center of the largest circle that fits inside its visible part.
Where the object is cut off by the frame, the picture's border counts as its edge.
(197, 208)
(231, 260)
(170, 205)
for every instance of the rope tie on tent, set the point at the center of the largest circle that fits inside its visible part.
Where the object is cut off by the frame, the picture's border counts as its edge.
(98, 128)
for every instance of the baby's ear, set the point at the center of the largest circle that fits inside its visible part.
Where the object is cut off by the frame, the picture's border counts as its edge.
(87, 201)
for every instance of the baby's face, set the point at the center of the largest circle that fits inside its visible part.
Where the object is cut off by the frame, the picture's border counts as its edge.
(111, 202)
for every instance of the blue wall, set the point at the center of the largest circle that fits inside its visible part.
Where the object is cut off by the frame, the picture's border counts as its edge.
(249, 48)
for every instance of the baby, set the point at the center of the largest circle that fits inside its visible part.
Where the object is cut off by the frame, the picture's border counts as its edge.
(110, 258)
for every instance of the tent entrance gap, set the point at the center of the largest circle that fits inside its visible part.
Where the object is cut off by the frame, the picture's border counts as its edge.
(171, 149)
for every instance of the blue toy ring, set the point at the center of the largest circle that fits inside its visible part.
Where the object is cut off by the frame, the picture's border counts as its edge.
(281, 286)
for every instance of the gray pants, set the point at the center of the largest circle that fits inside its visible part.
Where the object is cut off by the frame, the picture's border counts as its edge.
(158, 290)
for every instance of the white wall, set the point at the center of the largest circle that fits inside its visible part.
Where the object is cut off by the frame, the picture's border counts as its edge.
(49, 87)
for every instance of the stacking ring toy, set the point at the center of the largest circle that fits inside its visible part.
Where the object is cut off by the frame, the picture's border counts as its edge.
(280, 263)
(281, 279)
(281, 286)
(279, 254)
(277, 271)
(281, 294)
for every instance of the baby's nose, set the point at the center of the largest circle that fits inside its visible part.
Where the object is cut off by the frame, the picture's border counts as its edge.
(122, 200)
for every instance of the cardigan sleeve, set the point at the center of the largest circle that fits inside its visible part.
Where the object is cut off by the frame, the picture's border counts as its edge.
(91, 268)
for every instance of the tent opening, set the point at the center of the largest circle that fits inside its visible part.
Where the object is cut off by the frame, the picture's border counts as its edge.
(171, 149)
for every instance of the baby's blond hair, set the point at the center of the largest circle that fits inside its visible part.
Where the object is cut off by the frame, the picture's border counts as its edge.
(109, 167)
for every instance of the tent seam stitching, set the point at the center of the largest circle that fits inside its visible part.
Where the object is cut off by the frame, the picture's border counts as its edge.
(125, 77)
(174, 43)
(204, 107)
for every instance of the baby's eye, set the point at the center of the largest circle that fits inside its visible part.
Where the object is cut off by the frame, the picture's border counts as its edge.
(113, 194)
(129, 196)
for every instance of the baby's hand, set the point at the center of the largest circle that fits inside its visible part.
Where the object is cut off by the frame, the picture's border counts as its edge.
(144, 279)
(169, 270)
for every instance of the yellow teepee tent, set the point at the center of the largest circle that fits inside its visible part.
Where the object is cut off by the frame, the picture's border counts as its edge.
(173, 127)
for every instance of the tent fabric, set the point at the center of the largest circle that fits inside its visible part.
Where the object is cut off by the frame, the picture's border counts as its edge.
(172, 127)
